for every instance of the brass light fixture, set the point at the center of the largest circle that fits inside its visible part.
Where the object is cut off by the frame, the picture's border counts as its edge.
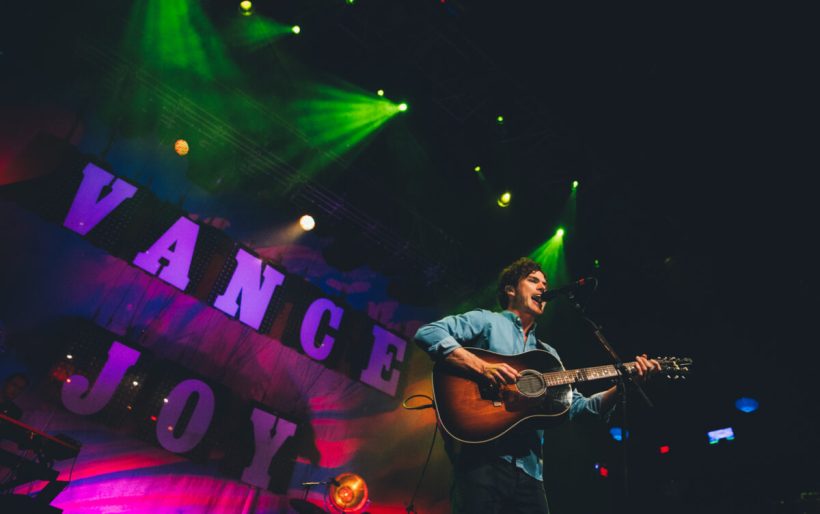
(347, 493)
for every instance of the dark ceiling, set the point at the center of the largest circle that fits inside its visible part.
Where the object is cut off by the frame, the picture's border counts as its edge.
(679, 124)
(687, 129)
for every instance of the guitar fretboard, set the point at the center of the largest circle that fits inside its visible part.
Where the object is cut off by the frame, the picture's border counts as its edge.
(573, 376)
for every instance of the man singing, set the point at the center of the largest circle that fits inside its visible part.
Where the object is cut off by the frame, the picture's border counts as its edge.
(505, 475)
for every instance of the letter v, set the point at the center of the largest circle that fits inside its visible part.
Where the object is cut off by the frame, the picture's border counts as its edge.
(88, 209)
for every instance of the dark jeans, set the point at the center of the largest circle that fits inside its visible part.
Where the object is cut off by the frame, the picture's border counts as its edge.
(495, 486)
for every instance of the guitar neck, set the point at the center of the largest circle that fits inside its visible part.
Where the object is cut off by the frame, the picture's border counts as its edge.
(574, 376)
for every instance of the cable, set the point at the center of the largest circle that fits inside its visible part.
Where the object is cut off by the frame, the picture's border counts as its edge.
(419, 407)
(73, 463)
(410, 506)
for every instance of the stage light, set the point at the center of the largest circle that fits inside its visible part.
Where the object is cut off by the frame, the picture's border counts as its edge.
(347, 493)
(402, 107)
(746, 405)
(559, 232)
(499, 119)
(477, 169)
(504, 199)
(69, 356)
(617, 434)
(722, 433)
(574, 185)
(246, 8)
(181, 147)
(380, 92)
(296, 29)
(664, 448)
(339, 121)
(165, 400)
(550, 255)
(135, 383)
(307, 222)
(596, 263)
(350, 2)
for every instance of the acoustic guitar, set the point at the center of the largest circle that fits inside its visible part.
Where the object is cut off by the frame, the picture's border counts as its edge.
(474, 412)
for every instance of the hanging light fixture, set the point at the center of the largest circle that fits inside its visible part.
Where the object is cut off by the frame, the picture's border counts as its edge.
(347, 493)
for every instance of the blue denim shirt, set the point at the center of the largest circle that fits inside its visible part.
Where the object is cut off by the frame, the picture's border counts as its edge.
(501, 332)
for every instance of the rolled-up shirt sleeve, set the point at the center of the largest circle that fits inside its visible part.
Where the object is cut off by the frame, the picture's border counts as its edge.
(441, 337)
(588, 407)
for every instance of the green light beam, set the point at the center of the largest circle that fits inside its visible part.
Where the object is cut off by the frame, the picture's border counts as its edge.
(255, 32)
(550, 255)
(339, 121)
(176, 35)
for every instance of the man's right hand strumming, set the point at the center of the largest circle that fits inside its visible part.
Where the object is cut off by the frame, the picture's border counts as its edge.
(497, 374)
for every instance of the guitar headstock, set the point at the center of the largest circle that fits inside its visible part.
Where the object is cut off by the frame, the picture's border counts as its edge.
(675, 367)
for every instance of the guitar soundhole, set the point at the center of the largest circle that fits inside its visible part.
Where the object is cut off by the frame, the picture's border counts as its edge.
(531, 384)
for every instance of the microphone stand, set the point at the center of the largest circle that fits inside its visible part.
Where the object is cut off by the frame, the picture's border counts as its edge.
(308, 485)
(623, 377)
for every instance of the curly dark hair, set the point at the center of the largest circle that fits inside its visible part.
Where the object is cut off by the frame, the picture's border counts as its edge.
(512, 274)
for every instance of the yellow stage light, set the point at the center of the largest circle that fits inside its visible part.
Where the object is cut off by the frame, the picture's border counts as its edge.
(181, 147)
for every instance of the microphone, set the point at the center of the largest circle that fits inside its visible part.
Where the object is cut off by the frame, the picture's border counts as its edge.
(569, 288)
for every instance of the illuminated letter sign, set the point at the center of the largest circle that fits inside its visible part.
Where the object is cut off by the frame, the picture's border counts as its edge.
(182, 237)
(204, 262)
(90, 206)
(196, 427)
(382, 359)
(252, 284)
(80, 399)
(310, 328)
(267, 445)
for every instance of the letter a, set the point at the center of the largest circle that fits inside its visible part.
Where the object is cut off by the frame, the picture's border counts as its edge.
(182, 236)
